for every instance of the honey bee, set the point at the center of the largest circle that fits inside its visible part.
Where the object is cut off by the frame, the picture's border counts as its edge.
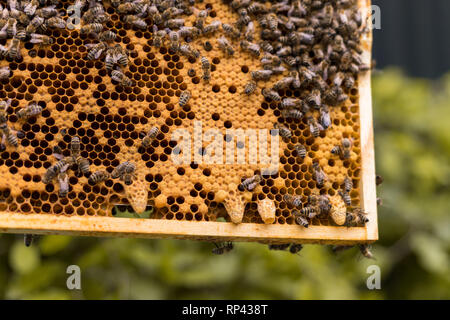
(28, 239)
(96, 50)
(314, 99)
(201, 18)
(314, 126)
(272, 21)
(349, 81)
(335, 96)
(292, 114)
(309, 212)
(343, 150)
(37, 23)
(283, 131)
(188, 51)
(135, 21)
(120, 55)
(5, 72)
(75, 146)
(150, 136)
(250, 32)
(271, 94)
(107, 36)
(127, 7)
(110, 60)
(251, 183)
(263, 75)
(31, 110)
(61, 166)
(171, 12)
(231, 31)
(224, 248)
(83, 164)
(122, 169)
(345, 197)
(11, 27)
(250, 87)
(301, 150)
(295, 201)
(356, 217)
(98, 177)
(120, 77)
(251, 47)
(55, 22)
(174, 41)
(153, 12)
(95, 14)
(283, 83)
(9, 135)
(288, 103)
(158, 36)
(46, 12)
(21, 34)
(184, 98)
(300, 219)
(4, 106)
(3, 51)
(206, 67)
(324, 119)
(270, 61)
(283, 246)
(14, 49)
(20, 16)
(63, 180)
(379, 180)
(266, 46)
(365, 251)
(284, 51)
(211, 28)
(295, 247)
(175, 23)
(93, 28)
(318, 174)
(225, 46)
(348, 184)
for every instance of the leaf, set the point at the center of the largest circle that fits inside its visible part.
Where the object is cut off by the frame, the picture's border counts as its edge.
(23, 259)
(52, 244)
(432, 254)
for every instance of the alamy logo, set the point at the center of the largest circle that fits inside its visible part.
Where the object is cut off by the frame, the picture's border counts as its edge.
(374, 280)
(74, 280)
(250, 146)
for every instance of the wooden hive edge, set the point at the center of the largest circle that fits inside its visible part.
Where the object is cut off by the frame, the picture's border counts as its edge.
(156, 228)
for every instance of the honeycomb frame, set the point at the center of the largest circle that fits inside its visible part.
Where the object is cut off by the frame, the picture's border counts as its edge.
(11, 222)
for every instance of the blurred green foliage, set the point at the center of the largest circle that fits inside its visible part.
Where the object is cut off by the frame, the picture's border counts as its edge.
(412, 120)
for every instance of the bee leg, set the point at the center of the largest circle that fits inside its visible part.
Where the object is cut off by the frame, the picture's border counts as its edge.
(3, 145)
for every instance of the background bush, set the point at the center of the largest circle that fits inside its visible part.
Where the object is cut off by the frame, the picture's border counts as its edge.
(412, 120)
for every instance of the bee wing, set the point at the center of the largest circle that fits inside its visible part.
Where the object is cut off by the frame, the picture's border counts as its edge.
(58, 156)
(90, 45)
(98, 53)
(36, 38)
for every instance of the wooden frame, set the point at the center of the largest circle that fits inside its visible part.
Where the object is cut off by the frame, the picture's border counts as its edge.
(212, 231)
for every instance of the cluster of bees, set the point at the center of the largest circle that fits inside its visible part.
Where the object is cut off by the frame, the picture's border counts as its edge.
(92, 24)
(314, 43)
(10, 135)
(317, 43)
(27, 21)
